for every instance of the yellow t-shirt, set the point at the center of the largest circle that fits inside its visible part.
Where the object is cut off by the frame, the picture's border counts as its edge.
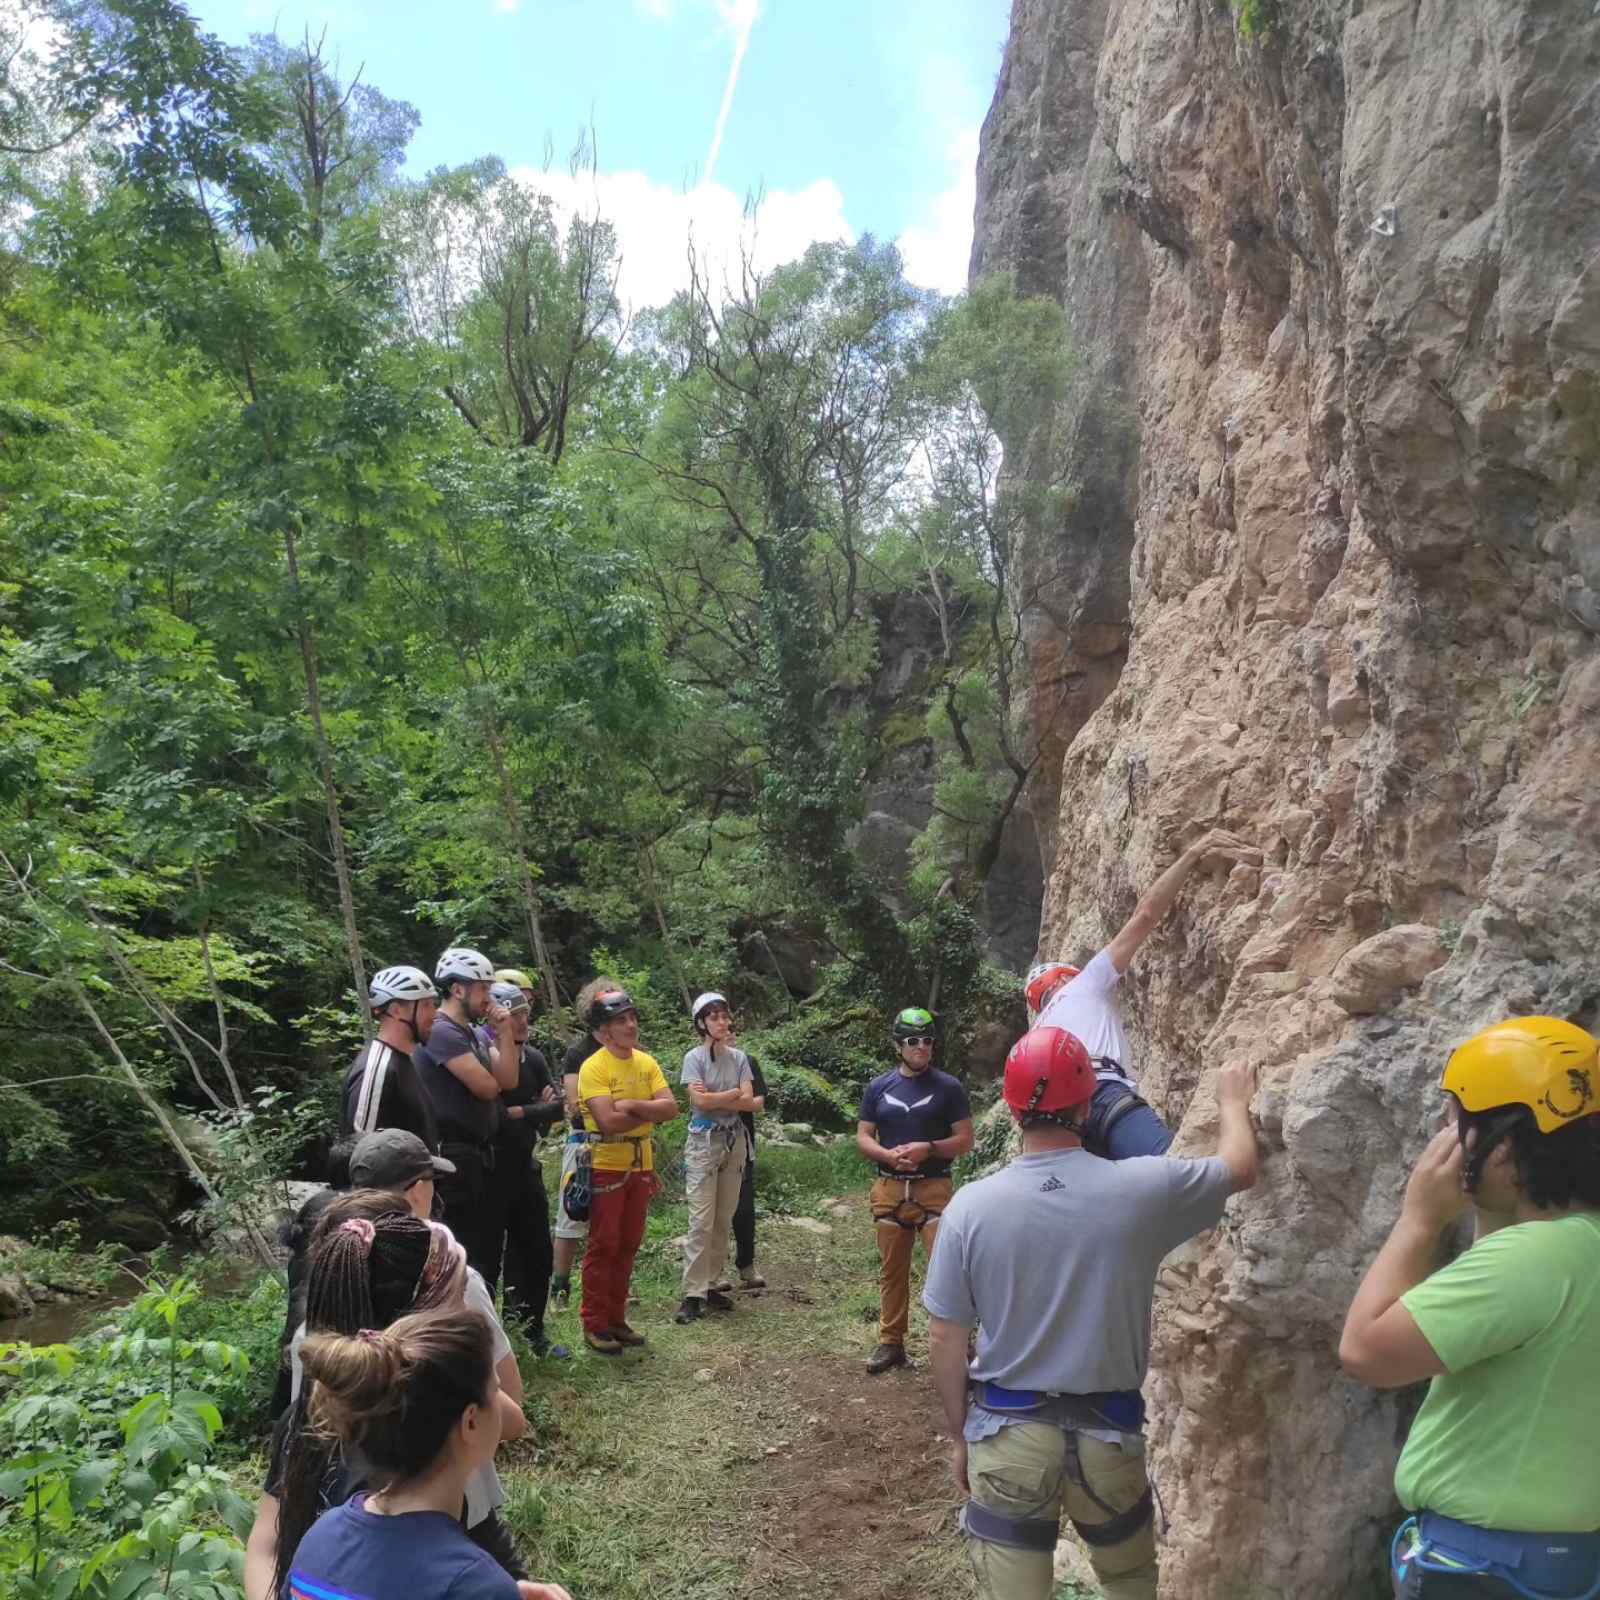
(638, 1078)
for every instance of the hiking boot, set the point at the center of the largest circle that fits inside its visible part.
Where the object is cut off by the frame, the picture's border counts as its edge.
(623, 1334)
(886, 1356)
(723, 1285)
(718, 1302)
(690, 1310)
(602, 1343)
(560, 1293)
(751, 1279)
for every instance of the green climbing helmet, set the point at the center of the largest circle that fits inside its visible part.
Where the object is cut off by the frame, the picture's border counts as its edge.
(913, 1023)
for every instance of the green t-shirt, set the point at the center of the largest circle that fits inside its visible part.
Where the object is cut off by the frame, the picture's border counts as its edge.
(1509, 1435)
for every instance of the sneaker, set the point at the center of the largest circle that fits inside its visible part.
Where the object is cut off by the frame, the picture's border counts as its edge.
(560, 1293)
(549, 1352)
(718, 1302)
(723, 1285)
(751, 1279)
(602, 1343)
(691, 1310)
(886, 1356)
(623, 1334)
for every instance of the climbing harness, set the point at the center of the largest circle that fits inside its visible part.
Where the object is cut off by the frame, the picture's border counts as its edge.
(1121, 1411)
(577, 1192)
(908, 1211)
(1538, 1566)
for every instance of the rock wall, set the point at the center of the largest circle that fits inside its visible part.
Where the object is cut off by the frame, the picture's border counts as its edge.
(1331, 582)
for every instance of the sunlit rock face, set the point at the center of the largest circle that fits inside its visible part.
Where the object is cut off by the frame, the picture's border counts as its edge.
(1332, 581)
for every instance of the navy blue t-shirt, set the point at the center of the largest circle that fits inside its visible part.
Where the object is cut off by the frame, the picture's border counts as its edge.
(462, 1117)
(353, 1554)
(909, 1110)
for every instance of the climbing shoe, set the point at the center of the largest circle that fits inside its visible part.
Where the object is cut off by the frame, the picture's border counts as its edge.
(602, 1343)
(691, 1310)
(718, 1302)
(886, 1356)
(749, 1278)
(560, 1292)
(623, 1334)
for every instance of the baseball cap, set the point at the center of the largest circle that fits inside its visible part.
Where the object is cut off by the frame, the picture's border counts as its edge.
(393, 1158)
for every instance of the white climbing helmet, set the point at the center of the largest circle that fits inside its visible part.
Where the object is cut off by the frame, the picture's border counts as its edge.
(461, 965)
(399, 983)
(704, 1003)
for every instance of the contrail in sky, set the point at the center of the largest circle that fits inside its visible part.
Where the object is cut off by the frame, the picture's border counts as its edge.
(741, 16)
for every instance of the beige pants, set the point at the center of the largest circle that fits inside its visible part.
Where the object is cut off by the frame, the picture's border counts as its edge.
(713, 1168)
(1022, 1472)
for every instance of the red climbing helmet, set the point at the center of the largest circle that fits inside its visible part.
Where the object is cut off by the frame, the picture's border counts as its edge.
(1044, 980)
(1048, 1070)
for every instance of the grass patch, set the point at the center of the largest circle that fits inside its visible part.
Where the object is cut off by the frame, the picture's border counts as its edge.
(748, 1453)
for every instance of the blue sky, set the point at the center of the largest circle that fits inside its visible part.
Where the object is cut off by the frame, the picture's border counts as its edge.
(853, 116)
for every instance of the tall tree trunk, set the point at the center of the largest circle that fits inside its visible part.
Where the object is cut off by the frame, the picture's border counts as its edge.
(341, 862)
(530, 893)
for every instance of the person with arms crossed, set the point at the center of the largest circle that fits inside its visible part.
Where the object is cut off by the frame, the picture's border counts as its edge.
(464, 1081)
(1048, 1418)
(622, 1096)
(717, 1073)
(1501, 1470)
(915, 1121)
(1122, 1122)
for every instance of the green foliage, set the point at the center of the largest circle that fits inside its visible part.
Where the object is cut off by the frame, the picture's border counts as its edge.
(1257, 18)
(109, 1489)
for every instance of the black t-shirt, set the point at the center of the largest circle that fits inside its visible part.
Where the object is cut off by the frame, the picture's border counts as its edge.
(909, 1110)
(758, 1087)
(463, 1118)
(382, 1089)
(533, 1078)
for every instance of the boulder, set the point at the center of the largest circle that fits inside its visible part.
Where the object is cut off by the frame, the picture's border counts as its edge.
(1373, 975)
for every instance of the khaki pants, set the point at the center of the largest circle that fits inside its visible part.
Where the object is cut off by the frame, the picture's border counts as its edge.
(1022, 1472)
(895, 1244)
(713, 1168)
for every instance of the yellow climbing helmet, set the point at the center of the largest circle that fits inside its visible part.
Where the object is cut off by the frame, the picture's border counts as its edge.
(1550, 1066)
(515, 975)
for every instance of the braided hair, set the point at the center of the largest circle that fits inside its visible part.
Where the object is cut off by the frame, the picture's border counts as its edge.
(372, 1261)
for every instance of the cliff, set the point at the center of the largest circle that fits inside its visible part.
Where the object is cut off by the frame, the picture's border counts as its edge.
(1332, 581)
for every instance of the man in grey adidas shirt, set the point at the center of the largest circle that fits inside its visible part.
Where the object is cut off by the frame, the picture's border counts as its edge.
(1054, 1418)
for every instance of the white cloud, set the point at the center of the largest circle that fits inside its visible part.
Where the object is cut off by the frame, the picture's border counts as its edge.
(508, 7)
(937, 250)
(656, 10)
(655, 223)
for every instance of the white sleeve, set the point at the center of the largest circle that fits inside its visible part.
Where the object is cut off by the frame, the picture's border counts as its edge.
(1100, 976)
(478, 1298)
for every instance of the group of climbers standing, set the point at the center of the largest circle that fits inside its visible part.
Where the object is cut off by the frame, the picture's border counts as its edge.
(1040, 1277)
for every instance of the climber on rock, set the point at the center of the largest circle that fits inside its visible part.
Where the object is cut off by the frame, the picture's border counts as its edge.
(915, 1120)
(1084, 1002)
(1053, 1260)
(1501, 1470)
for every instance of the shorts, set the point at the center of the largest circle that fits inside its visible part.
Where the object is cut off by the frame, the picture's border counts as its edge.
(565, 1227)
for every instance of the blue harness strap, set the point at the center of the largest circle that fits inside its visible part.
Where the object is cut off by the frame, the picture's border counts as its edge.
(1541, 1566)
(1122, 1409)
(1015, 1533)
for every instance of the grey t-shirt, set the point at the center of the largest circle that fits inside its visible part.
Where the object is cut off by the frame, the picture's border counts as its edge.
(484, 1490)
(725, 1070)
(1054, 1258)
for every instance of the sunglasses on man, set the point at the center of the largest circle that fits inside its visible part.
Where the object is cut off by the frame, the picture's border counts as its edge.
(920, 1038)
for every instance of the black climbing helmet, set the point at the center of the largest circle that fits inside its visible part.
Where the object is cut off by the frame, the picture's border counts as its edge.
(913, 1023)
(610, 1004)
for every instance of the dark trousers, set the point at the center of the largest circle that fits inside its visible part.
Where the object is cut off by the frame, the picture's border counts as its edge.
(1454, 1586)
(470, 1207)
(529, 1255)
(744, 1220)
(493, 1536)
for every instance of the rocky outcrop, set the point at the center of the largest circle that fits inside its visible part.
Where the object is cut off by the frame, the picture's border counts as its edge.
(1333, 582)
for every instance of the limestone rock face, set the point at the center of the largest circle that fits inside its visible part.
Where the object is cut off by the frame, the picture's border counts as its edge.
(1332, 582)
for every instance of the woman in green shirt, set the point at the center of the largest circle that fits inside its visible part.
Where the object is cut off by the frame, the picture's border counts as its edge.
(1502, 1467)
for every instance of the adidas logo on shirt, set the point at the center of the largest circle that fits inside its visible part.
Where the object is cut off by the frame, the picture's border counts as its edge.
(1051, 1185)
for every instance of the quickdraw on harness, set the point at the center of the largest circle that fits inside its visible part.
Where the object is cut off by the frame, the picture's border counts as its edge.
(1539, 1566)
(1119, 1411)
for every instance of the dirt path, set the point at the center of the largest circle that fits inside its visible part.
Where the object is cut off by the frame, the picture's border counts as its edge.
(748, 1455)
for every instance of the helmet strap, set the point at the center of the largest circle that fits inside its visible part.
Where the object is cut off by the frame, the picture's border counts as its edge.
(1490, 1134)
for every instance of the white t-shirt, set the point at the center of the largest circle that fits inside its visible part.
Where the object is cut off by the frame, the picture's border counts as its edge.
(1087, 1007)
(484, 1490)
